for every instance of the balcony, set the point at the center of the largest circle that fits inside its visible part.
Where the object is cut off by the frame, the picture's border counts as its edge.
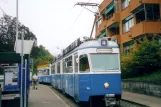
(111, 20)
(104, 4)
(102, 26)
(145, 28)
(136, 3)
(126, 37)
(118, 38)
(97, 32)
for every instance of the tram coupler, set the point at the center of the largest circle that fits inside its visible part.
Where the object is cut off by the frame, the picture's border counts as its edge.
(111, 100)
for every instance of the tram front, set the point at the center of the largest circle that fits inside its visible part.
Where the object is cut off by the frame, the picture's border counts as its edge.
(103, 65)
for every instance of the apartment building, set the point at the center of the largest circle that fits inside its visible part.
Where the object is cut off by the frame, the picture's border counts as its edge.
(128, 21)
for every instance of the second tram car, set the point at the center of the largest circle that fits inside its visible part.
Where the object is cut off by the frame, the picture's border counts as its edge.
(44, 72)
(89, 72)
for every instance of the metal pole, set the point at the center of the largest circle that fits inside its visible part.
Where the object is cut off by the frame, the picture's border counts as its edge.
(17, 21)
(93, 26)
(22, 40)
(21, 98)
(25, 82)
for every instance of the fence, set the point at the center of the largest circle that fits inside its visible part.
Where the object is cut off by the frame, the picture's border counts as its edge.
(152, 88)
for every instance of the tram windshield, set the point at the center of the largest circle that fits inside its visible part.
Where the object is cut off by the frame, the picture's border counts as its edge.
(105, 62)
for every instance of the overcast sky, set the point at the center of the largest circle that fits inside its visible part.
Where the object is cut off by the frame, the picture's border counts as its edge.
(52, 20)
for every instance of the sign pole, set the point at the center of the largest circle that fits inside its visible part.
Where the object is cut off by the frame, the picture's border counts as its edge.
(22, 37)
(25, 83)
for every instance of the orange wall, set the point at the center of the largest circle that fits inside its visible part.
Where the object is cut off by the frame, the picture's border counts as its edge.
(137, 29)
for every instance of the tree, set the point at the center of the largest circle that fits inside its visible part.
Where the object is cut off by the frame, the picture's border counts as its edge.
(8, 33)
(143, 61)
(41, 56)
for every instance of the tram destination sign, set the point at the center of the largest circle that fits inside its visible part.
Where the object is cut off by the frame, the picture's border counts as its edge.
(104, 50)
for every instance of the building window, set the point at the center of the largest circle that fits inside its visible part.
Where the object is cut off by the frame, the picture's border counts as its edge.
(128, 46)
(110, 10)
(125, 3)
(147, 12)
(128, 23)
(68, 68)
(153, 11)
(83, 63)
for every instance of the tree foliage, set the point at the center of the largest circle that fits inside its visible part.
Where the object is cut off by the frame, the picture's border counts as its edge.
(8, 33)
(8, 36)
(41, 56)
(145, 60)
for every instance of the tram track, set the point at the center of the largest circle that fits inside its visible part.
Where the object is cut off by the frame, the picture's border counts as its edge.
(70, 101)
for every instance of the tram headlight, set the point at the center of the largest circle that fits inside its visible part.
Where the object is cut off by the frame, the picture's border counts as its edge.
(106, 85)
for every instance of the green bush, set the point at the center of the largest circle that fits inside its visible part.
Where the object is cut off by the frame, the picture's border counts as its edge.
(145, 60)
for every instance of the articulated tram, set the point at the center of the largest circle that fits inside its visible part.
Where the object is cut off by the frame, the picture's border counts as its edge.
(89, 72)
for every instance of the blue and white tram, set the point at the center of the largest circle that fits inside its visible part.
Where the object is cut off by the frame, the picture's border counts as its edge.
(90, 72)
(44, 72)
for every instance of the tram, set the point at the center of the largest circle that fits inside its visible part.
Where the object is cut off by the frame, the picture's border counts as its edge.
(44, 72)
(89, 71)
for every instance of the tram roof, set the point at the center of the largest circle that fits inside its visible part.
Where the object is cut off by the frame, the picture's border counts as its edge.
(91, 44)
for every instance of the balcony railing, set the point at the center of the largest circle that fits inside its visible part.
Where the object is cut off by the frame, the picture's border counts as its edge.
(146, 28)
(104, 4)
(112, 19)
(136, 3)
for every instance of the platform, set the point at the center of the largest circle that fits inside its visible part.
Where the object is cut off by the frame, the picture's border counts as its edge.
(142, 99)
(45, 97)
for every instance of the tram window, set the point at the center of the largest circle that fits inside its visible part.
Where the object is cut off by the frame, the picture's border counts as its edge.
(46, 71)
(68, 67)
(76, 63)
(83, 63)
(58, 67)
(53, 69)
(64, 66)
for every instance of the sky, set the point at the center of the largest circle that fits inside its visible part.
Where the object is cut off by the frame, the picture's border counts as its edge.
(56, 23)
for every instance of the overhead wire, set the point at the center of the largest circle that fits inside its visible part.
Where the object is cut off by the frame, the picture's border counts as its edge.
(77, 18)
(2, 11)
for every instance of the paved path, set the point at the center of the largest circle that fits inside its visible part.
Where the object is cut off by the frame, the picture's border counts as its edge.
(142, 99)
(45, 97)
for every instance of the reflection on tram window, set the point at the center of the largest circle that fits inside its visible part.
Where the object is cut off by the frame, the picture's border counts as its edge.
(53, 69)
(58, 67)
(68, 67)
(103, 62)
(83, 63)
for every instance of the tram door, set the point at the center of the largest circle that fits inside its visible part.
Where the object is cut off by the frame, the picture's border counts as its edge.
(76, 77)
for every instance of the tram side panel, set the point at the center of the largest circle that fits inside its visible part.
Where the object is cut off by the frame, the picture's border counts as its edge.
(84, 87)
(59, 81)
(76, 87)
(70, 81)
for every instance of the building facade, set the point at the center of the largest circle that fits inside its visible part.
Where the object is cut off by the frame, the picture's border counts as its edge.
(128, 21)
